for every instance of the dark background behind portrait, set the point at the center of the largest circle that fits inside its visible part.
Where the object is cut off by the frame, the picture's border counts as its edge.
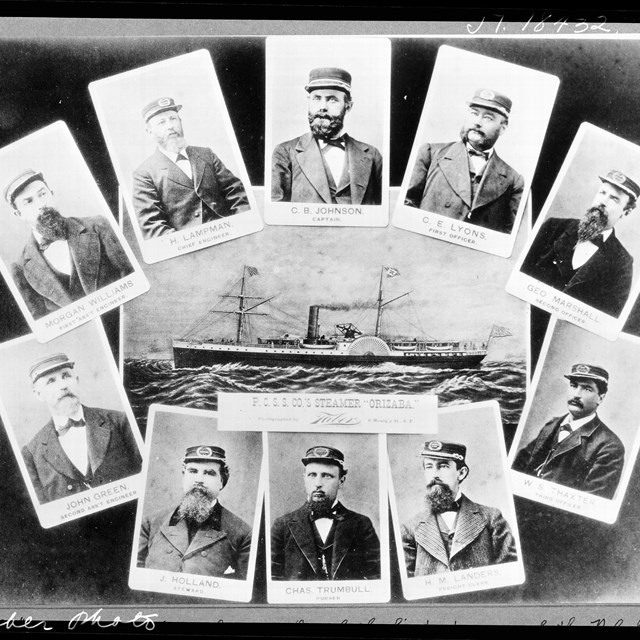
(361, 490)
(173, 432)
(45, 79)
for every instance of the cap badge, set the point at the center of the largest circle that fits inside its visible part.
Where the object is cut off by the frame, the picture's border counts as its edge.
(435, 445)
(163, 102)
(205, 452)
(321, 452)
(581, 368)
(487, 94)
(618, 177)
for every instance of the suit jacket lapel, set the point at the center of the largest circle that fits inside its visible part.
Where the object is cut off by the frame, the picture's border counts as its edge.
(203, 539)
(85, 254)
(177, 534)
(575, 438)
(300, 528)
(343, 535)
(469, 526)
(360, 166)
(172, 171)
(428, 536)
(455, 168)
(98, 436)
(494, 182)
(596, 265)
(41, 277)
(55, 455)
(310, 161)
(198, 167)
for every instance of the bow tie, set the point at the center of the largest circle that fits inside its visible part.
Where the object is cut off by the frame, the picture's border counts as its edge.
(70, 423)
(181, 156)
(335, 142)
(455, 506)
(474, 152)
(316, 516)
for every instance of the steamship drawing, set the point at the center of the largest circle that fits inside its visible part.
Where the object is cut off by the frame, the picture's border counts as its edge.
(346, 346)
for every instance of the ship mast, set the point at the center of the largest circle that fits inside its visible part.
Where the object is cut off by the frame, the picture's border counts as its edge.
(382, 305)
(241, 311)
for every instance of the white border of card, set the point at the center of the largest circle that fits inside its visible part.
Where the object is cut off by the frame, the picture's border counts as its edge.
(289, 60)
(333, 592)
(191, 81)
(53, 152)
(565, 345)
(532, 93)
(479, 427)
(594, 152)
(103, 383)
(187, 584)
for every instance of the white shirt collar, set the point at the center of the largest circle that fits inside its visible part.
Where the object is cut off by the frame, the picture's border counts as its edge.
(576, 424)
(173, 155)
(61, 421)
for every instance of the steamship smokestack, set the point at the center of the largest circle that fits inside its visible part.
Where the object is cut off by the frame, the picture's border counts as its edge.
(312, 328)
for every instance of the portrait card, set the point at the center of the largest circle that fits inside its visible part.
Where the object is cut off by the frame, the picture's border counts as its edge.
(61, 251)
(335, 552)
(494, 107)
(584, 469)
(344, 85)
(332, 412)
(578, 263)
(171, 552)
(475, 545)
(173, 132)
(41, 387)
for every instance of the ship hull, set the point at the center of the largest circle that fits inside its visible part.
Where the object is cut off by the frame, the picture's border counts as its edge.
(201, 356)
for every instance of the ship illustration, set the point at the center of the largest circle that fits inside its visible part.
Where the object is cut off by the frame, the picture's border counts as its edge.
(346, 346)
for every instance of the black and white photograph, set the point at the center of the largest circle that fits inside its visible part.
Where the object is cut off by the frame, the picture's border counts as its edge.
(579, 435)
(327, 131)
(70, 424)
(176, 156)
(326, 514)
(198, 520)
(454, 518)
(475, 151)
(61, 251)
(579, 261)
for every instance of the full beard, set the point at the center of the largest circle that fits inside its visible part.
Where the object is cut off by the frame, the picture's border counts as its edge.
(320, 506)
(196, 505)
(173, 143)
(482, 144)
(324, 125)
(592, 224)
(439, 497)
(51, 224)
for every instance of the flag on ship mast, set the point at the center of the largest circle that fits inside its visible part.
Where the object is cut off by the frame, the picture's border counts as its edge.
(391, 272)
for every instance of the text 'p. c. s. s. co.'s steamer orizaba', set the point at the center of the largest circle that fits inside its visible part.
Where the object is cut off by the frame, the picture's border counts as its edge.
(346, 346)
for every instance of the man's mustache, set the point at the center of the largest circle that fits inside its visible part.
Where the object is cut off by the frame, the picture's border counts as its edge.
(67, 394)
(577, 402)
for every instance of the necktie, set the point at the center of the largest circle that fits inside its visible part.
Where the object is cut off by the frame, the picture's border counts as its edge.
(480, 154)
(564, 432)
(181, 156)
(598, 240)
(455, 506)
(45, 243)
(71, 423)
(335, 142)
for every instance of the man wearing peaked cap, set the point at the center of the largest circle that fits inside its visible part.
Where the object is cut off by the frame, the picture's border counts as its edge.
(467, 180)
(181, 186)
(577, 449)
(327, 165)
(323, 540)
(64, 258)
(582, 257)
(80, 447)
(453, 533)
(198, 536)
